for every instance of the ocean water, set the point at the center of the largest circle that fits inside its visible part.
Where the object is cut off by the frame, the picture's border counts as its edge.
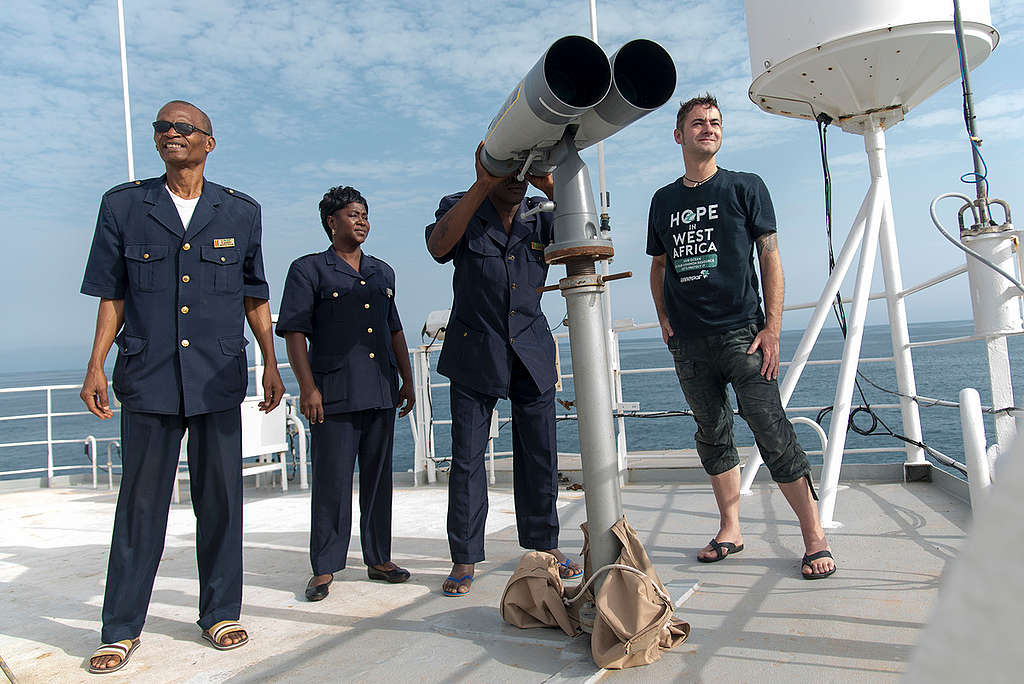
(941, 372)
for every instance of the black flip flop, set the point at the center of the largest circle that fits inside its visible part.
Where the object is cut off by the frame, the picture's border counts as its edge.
(813, 557)
(722, 549)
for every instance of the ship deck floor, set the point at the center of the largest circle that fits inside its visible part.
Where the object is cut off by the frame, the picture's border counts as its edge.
(753, 618)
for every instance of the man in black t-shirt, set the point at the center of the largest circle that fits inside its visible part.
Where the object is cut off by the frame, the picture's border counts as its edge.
(701, 234)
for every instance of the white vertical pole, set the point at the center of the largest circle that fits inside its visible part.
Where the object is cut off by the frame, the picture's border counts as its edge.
(810, 337)
(110, 465)
(49, 437)
(979, 476)
(91, 443)
(416, 420)
(616, 402)
(874, 145)
(614, 384)
(124, 89)
(600, 146)
(300, 441)
(257, 362)
(899, 332)
(493, 434)
(428, 422)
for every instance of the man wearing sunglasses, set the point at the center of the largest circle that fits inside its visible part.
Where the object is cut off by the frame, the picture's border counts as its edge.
(177, 264)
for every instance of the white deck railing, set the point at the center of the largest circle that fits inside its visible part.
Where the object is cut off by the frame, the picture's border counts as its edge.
(422, 420)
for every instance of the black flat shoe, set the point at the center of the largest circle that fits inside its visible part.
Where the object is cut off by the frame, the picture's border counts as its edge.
(318, 592)
(395, 575)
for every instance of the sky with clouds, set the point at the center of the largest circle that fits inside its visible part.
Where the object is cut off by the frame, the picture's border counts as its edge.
(392, 97)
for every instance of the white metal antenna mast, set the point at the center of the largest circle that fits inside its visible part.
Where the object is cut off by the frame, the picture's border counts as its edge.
(124, 89)
(606, 297)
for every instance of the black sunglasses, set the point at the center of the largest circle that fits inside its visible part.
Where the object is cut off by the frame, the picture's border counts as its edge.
(185, 129)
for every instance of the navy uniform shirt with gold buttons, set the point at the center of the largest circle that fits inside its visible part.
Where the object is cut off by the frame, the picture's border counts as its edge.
(182, 347)
(348, 317)
(496, 309)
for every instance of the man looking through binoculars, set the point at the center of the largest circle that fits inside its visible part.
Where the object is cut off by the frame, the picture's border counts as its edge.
(497, 345)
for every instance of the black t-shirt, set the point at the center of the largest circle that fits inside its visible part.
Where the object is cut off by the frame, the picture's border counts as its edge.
(707, 235)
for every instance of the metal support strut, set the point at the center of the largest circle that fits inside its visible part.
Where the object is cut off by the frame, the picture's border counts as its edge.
(873, 230)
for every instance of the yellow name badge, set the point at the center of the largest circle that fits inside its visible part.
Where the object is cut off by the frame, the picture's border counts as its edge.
(537, 245)
(224, 242)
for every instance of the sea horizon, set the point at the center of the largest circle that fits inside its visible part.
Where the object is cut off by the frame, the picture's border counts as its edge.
(19, 360)
(940, 372)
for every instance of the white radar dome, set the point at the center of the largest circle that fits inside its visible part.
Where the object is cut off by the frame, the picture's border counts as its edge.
(853, 58)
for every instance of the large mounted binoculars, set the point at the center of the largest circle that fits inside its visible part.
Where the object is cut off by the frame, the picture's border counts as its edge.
(572, 98)
(575, 88)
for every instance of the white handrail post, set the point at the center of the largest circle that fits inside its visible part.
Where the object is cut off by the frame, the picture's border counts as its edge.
(874, 145)
(426, 422)
(495, 424)
(822, 437)
(417, 445)
(300, 438)
(419, 458)
(90, 442)
(110, 464)
(257, 362)
(615, 365)
(49, 437)
(979, 476)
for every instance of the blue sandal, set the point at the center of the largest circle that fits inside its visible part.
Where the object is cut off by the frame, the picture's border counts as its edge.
(459, 581)
(574, 575)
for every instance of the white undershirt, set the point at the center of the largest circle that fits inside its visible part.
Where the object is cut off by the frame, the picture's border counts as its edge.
(185, 207)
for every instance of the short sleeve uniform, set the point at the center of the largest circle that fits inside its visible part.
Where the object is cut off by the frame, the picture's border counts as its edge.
(707, 235)
(182, 348)
(496, 311)
(348, 317)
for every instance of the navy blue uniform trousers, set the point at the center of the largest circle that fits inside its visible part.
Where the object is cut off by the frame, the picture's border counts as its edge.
(336, 445)
(534, 466)
(150, 445)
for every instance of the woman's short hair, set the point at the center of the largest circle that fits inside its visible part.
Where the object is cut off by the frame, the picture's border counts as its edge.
(337, 198)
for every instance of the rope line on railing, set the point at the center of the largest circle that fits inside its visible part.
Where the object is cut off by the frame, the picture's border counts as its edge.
(928, 402)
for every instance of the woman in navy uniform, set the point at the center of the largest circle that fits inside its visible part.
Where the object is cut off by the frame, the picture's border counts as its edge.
(343, 302)
(497, 344)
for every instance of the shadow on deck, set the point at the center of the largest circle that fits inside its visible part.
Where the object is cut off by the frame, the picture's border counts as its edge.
(753, 617)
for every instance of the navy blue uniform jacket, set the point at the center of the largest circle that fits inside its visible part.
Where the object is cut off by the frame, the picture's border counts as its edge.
(348, 317)
(496, 310)
(182, 346)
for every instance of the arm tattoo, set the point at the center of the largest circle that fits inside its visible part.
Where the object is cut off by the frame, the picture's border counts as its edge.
(767, 243)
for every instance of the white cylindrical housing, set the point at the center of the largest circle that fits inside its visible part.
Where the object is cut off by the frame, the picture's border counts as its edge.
(858, 56)
(995, 300)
